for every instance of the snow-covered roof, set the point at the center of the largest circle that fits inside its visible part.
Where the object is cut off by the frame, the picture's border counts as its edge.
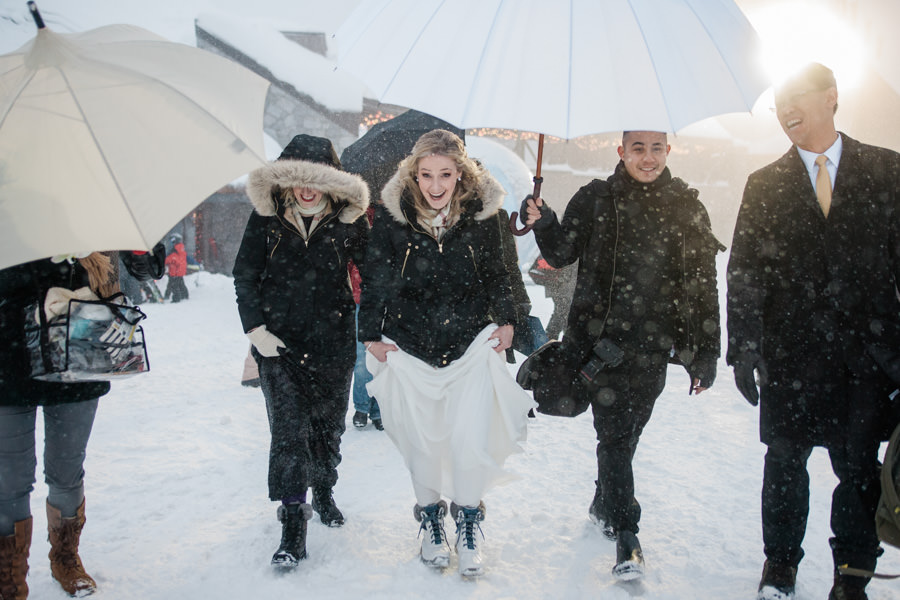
(308, 72)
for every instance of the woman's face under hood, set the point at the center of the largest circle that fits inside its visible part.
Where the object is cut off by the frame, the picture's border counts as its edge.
(307, 197)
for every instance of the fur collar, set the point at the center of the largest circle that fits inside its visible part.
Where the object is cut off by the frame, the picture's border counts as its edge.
(488, 190)
(282, 174)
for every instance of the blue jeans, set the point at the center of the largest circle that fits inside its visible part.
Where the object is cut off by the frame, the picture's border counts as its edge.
(532, 336)
(67, 428)
(362, 401)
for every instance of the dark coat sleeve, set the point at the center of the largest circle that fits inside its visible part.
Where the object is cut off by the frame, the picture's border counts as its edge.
(563, 243)
(746, 275)
(511, 260)
(496, 275)
(249, 267)
(357, 240)
(520, 295)
(701, 247)
(378, 283)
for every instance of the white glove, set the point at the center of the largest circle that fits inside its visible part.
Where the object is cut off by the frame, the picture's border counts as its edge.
(266, 343)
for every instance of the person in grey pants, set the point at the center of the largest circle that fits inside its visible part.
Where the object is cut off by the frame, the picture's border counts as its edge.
(67, 428)
(68, 410)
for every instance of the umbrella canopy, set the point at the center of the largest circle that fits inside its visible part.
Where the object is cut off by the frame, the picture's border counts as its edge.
(375, 155)
(109, 137)
(568, 69)
(563, 69)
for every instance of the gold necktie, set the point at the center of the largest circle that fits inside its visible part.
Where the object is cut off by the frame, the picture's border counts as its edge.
(823, 185)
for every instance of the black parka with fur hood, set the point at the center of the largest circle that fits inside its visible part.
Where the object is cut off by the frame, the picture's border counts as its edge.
(433, 298)
(299, 288)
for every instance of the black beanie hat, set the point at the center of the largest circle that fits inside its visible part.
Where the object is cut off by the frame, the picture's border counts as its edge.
(311, 149)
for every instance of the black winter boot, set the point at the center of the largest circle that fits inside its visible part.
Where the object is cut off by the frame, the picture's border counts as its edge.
(777, 581)
(323, 503)
(293, 519)
(844, 592)
(598, 514)
(847, 586)
(629, 557)
(850, 587)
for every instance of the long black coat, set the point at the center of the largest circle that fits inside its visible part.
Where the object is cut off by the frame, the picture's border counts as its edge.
(809, 293)
(433, 298)
(24, 284)
(646, 272)
(300, 289)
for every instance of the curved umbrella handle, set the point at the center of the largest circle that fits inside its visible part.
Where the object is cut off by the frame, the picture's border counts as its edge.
(515, 215)
(514, 228)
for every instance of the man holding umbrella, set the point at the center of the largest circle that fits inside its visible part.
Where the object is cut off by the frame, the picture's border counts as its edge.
(645, 294)
(813, 309)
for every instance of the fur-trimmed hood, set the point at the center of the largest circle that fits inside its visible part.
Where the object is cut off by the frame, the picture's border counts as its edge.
(488, 190)
(265, 184)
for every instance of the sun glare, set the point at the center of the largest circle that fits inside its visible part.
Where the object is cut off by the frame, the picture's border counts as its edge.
(795, 33)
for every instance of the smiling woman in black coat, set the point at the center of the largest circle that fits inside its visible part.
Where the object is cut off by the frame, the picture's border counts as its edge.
(297, 308)
(436, 315)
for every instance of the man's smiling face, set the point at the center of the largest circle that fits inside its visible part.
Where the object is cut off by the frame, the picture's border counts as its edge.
(806, 113)
(644, 154)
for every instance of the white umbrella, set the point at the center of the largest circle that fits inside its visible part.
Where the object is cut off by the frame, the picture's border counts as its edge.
(566, 69)
(109, 137)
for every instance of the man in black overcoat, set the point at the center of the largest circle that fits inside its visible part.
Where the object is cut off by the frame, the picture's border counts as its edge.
(812, 298)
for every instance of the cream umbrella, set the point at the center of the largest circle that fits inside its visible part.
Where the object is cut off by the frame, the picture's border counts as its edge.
(109, 137)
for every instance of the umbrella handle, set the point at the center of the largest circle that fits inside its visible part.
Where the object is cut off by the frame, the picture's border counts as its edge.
(512, 218)
(36, 15)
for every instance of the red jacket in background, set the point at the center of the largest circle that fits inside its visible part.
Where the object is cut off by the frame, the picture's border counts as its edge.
(176, 262)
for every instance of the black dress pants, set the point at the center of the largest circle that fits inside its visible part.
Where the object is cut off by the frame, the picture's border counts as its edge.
(622, 407)
(854, 460)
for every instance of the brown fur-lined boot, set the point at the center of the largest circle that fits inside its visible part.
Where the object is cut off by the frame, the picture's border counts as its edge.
(65, 564)
(14, 551)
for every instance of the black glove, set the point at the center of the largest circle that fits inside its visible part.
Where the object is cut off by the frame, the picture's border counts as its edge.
(703, 369)
(744, 366)
(144, 266)
(546, 212)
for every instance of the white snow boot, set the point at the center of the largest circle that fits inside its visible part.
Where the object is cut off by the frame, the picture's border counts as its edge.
(468, 519)
(435, 548)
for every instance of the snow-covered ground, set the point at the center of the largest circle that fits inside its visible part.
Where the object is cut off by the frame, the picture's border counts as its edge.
(176, 471)
(177, 505)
